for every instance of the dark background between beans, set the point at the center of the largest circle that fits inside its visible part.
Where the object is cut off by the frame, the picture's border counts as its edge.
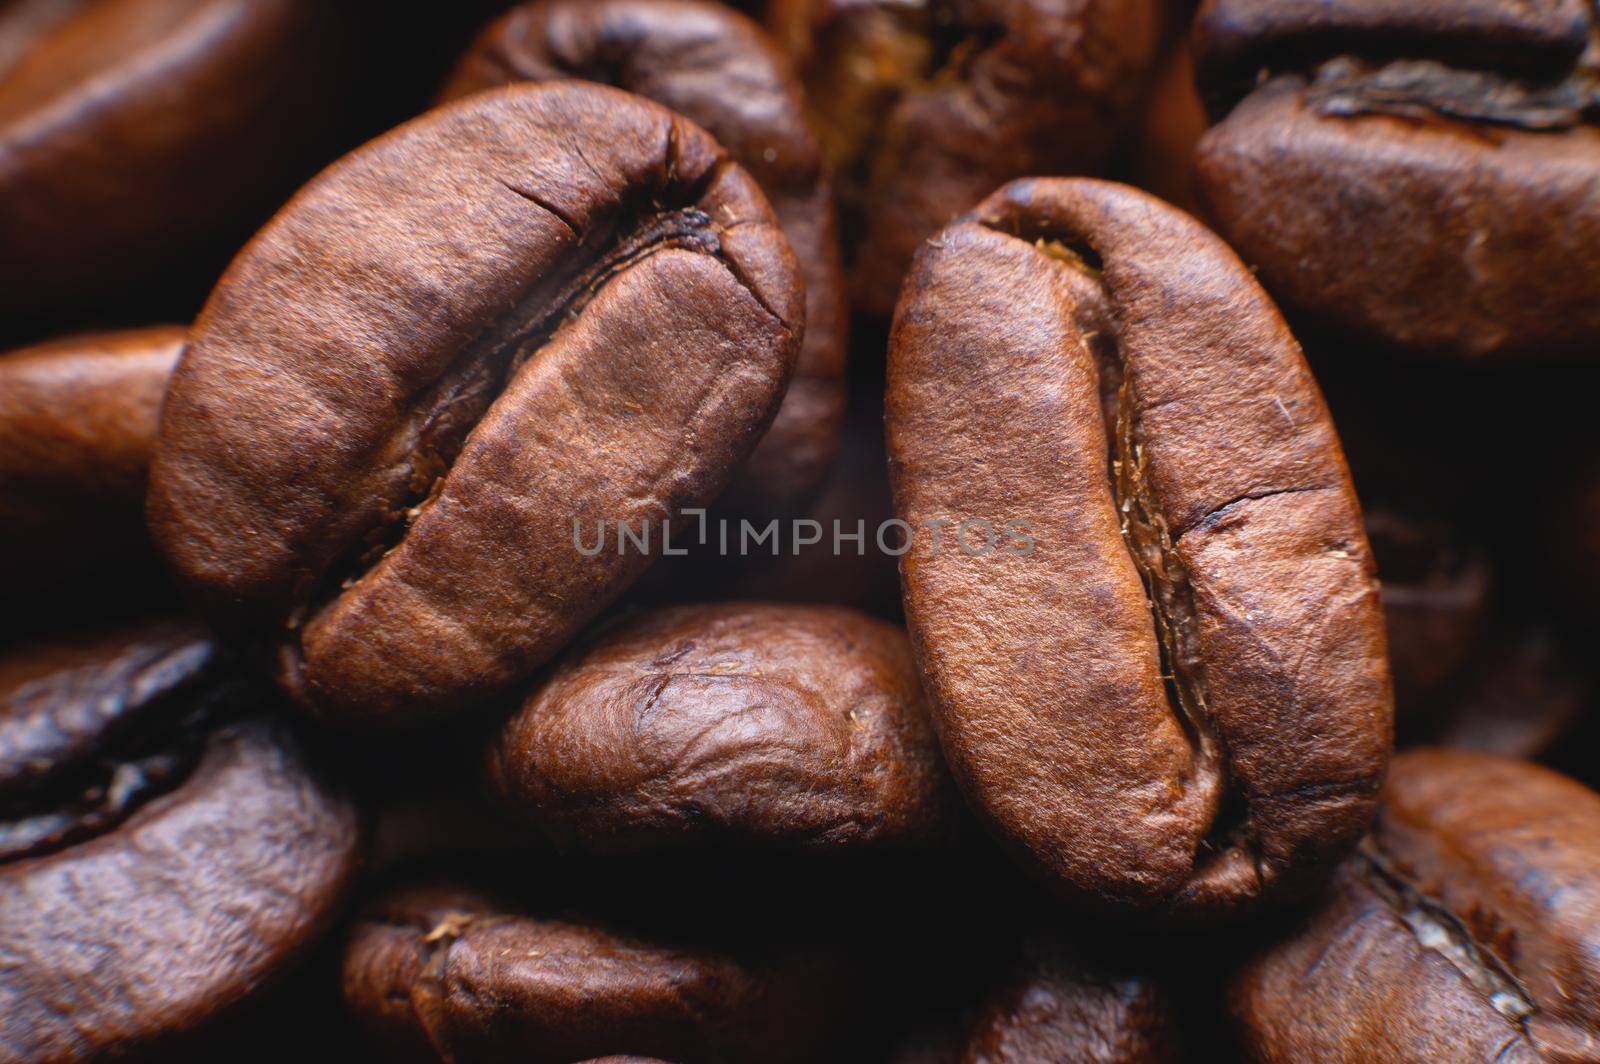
(314, 744)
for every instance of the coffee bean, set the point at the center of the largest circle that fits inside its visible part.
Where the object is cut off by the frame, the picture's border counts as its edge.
(77, 427)
(795, 727)
(1173, 122)
(447, 971)
(1523, 697)
(1435, 605)
(1060, 1006)
(1419, 173)
(1174, 692)
(515, 317)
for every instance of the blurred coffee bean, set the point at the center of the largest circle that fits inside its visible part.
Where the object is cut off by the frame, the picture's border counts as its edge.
(161, 859)
(1435, 605)
(1174, 121)
(78, 423)
(450, 973)
(1523, 698)
(1422, 173)
(924, 108)
(139, 135)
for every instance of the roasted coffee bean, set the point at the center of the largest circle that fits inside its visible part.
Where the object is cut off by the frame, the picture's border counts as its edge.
(1423, 173)
(1059, 1006)
(720, 70)
(1149, 629)
(77, 427)
(453, 974)
(131, 130)
(159, 862)
(1465, 929)
(521, 315)
(925, 107)
(791, 726)
(1435, 604)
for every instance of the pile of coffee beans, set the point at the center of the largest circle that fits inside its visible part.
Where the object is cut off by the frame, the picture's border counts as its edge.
(906, 531)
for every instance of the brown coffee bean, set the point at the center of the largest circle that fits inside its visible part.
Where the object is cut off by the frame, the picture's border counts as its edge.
(77, 426)
(518, 316)
(1464, 930)
(1156, 657)
(1421, 173)
(450, 973)
(158, 863)
(720, 70)
(131, 130)
(925, 107)
(789, 726)
(1059, 1006)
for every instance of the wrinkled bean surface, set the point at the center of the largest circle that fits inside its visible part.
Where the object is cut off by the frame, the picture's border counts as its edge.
(791, 726)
